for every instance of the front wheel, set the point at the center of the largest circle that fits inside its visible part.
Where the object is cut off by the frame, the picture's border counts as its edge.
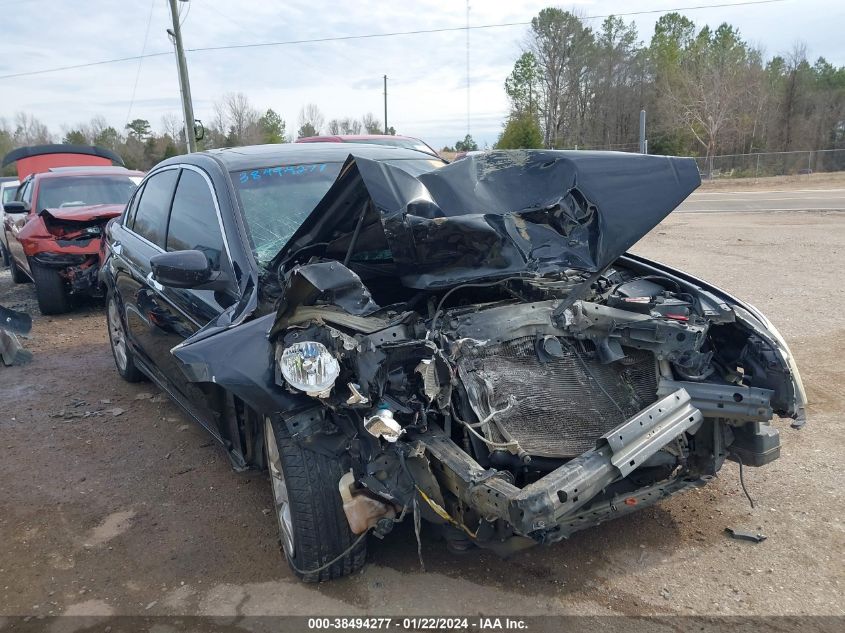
(50, 290)
(312, 525)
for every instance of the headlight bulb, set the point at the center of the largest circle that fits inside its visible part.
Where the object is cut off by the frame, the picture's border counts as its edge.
(308, 366)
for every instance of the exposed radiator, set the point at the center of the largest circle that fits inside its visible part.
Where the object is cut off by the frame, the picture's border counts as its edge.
(560, 406)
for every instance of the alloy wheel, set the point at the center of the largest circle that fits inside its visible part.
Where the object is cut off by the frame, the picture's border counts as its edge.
(280, 490)
(117, 335)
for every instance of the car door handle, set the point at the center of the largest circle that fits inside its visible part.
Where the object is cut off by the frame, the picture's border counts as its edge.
(153, 283)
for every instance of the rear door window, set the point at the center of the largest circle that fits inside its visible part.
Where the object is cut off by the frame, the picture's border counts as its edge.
(130, 213)
(154, 206)
(193, 219)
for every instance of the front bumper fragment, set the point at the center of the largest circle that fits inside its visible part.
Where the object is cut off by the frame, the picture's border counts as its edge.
(59, 260)
(553, 501)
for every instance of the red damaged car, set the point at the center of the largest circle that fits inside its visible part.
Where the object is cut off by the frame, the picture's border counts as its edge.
(55, 224)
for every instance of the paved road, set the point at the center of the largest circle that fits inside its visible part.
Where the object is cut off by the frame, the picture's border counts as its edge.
(796, 200)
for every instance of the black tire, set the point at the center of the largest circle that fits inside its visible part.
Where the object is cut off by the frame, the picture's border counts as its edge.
(18, 276)
(125, 365)
(50, 290)
(5, 254)
(320, 530)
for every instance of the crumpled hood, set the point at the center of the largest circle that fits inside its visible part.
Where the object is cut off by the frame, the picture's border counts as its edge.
(89, 213)
(495, 214)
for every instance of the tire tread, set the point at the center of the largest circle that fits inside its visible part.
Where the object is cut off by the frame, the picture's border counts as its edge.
(50, 290)
(320, 525)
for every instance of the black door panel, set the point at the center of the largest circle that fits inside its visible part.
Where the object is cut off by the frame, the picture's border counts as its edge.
(177, 210)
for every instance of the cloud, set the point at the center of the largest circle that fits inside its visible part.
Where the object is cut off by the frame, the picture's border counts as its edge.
(427, 72)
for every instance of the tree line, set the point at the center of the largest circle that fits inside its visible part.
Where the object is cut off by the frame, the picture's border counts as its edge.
(706, 91)
(235, 122)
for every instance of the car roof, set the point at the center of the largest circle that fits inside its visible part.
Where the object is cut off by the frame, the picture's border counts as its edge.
(339, 138)
(5, 179)
(64, 172)
(252, 156)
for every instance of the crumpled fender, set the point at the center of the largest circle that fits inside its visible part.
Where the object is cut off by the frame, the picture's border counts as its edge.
(241, 361)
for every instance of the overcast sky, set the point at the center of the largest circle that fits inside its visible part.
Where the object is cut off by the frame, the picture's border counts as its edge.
(427, 72)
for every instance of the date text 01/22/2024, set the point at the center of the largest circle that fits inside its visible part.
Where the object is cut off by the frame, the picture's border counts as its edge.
(418, 623)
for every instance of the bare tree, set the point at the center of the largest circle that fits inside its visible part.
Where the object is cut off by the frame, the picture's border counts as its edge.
(242, 119)
(172, 126)
(235, 122)
(615, 101)
(371, 124)
(711, 85)
(30, 131)
(348, 125)
(311, 121)
(561, 45)
(796, 61)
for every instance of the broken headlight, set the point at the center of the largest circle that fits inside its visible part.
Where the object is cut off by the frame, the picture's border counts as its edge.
(308, 366)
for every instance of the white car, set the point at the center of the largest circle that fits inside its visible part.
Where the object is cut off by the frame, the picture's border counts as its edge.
(8, 188)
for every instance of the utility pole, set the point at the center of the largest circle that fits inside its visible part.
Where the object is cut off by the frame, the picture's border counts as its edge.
(643, 142)
(385, 104)
(184, 83)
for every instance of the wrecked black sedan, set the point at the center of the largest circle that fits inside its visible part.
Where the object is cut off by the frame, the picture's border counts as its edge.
(395, 339)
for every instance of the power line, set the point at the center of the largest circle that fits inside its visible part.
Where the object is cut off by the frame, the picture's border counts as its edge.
(341, 38)
(87, 65)
(366, 36)
(182, 20)
(140, 61)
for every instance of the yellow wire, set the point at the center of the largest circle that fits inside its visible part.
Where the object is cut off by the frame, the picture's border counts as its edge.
(441, 512)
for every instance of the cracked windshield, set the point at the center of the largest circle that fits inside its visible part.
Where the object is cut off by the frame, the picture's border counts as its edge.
(277, 199)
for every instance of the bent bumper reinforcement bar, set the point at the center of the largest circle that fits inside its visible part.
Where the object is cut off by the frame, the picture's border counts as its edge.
(555, 499)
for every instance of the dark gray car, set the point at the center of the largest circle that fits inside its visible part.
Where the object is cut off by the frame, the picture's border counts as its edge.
(470, 344)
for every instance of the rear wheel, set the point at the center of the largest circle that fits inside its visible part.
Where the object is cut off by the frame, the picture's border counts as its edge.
(312, 525)
(18, 276)
(5, 254)
(119, 347)
(50, 290)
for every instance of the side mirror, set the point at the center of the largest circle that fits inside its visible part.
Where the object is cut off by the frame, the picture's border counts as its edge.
(185, 269)
(15, 206)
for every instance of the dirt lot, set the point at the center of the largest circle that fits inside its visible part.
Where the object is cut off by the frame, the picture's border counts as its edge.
(112, 502)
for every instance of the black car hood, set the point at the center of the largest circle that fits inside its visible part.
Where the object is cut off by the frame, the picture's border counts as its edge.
(495, 214)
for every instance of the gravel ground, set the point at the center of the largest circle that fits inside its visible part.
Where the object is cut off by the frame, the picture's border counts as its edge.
(112, 502)
(821, 180)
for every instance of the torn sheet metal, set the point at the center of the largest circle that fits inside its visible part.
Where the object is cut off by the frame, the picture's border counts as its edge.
(13, 323)
(330, 282)
(241, 359)
(11, 350)
(499, 213)
(744, 535)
